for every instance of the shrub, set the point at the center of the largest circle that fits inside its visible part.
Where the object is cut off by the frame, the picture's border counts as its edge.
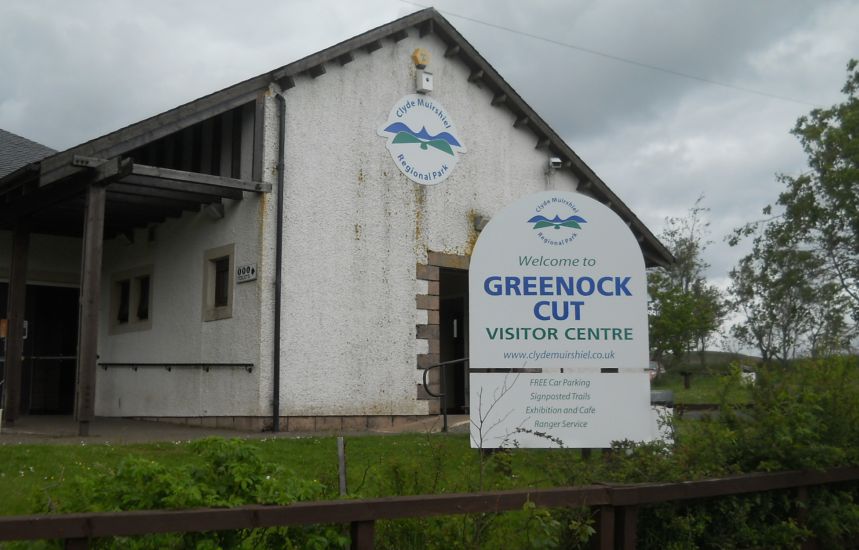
(226, 473)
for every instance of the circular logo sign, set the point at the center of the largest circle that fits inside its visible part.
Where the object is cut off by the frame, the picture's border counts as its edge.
(422, 139)
(556, 221)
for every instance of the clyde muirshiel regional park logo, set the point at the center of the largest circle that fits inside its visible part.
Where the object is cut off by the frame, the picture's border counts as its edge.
(564, 227)
(422, 139)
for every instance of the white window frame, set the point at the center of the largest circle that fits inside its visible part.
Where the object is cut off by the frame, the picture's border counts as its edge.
(211, 312)
(134, 323)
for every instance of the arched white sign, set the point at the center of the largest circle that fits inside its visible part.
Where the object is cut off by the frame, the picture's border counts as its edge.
(558, 327)
(557, 280)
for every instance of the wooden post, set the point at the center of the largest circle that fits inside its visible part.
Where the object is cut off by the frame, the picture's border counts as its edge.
(362, 535)
(802, 504)
(605, 528)
(687, 380)
(89, 306)
(76, 544)
(15, 328)
(341, 461)
(628, 527)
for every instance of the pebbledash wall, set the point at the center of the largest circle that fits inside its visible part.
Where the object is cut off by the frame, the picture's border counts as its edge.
(357, 229)
(178, 333)
(357, 234)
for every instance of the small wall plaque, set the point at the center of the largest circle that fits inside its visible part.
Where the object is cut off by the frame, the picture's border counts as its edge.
(246, 273)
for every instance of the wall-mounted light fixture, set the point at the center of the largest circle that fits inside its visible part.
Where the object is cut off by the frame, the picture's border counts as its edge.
(423, 78)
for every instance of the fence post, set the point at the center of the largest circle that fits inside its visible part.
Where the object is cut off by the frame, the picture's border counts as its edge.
(802, 503)
(605, 528)
(76, 544)
(627, 528)
(341, 463)
(362, 533)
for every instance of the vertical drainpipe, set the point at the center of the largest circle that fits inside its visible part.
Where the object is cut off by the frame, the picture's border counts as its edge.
(278, 258)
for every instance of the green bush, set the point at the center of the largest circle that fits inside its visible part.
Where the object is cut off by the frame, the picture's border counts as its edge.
(801, 416)
(225, 473)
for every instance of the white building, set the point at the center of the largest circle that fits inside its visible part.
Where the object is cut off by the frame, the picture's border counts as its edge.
(154, 225)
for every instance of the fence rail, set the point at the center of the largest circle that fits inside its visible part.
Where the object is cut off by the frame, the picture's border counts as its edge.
(617, 503)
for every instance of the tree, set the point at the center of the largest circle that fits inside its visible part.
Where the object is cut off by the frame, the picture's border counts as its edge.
(821, 206)
(799, 287)
(684, 310)
(772, 287)
(831, 332)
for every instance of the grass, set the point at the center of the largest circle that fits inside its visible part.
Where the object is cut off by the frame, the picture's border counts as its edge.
(33, 475)
(28, 473)
(705, 380)
(703, 388)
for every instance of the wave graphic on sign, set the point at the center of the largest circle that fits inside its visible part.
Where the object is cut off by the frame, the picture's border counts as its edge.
(556, 222)
(442, 141)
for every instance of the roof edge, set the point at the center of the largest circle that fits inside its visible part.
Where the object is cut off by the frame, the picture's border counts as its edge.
(430, 20)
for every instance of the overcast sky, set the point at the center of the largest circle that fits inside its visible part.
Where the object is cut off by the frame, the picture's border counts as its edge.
(71, 71)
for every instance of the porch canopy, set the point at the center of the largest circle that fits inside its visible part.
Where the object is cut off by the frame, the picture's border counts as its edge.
(97, 198)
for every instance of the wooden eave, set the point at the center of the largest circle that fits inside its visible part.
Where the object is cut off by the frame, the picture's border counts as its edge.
(137, 196)
(124, 140)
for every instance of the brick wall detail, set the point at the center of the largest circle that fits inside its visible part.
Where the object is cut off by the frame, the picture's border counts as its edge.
(430, 331)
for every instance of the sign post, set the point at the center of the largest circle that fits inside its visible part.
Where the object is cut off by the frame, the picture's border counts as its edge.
(558, 327)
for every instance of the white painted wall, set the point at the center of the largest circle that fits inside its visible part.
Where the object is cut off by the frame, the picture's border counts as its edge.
(356, 226)
(178, 333)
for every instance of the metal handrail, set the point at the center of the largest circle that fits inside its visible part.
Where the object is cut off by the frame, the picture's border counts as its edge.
(441, 396)
(170, 366)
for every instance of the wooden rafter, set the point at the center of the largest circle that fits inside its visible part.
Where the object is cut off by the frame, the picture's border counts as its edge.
(158, 193)
(201, 179)
(183, 186)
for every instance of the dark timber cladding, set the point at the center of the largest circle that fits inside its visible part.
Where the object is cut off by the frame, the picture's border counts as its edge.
(15, 327)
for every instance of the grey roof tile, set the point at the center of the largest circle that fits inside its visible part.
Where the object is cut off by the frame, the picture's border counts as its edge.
(17, 151)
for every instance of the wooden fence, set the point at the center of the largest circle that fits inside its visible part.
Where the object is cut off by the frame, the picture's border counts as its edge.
(616, 528)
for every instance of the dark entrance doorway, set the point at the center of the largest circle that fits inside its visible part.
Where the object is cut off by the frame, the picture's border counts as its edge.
(50, 348)
(453, 336)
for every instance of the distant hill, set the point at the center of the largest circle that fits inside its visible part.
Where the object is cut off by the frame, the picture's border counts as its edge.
(716, 360)
(716, 357)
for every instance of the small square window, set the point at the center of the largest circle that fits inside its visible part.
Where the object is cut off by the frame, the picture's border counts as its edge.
(131, 300)
(222, 280)
(218, 282)
(143, 297)
(124, 301)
